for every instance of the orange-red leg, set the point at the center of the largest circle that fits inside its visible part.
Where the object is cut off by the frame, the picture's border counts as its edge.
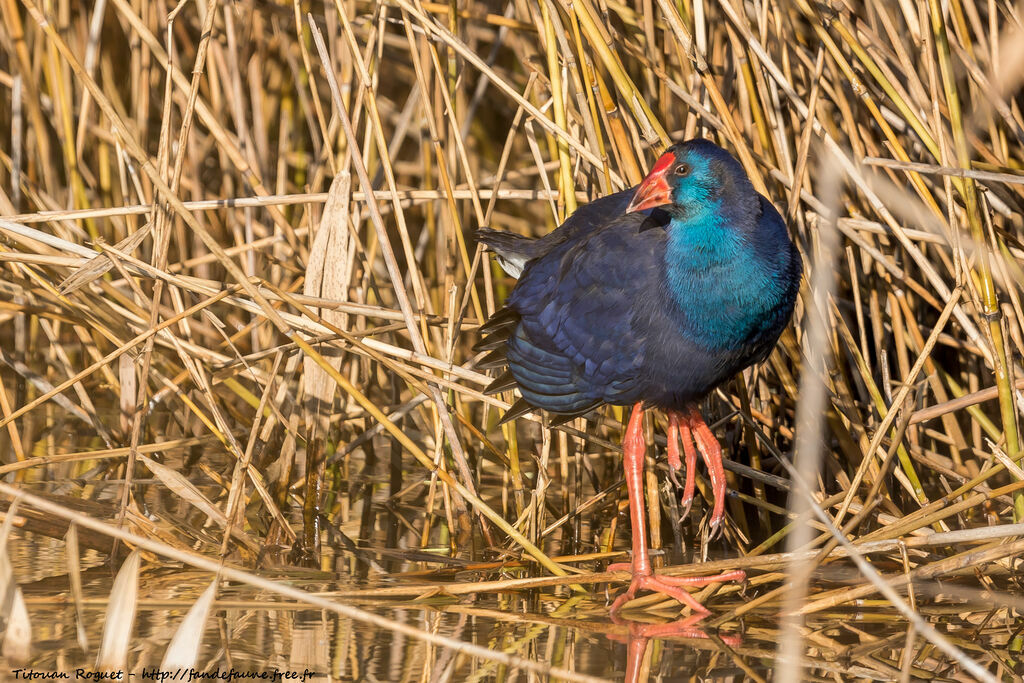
(634, 449)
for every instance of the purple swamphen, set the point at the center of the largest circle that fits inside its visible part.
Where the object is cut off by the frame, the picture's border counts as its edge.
(649, 297)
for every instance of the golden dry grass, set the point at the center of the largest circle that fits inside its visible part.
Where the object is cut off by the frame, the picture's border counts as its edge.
(239, 291)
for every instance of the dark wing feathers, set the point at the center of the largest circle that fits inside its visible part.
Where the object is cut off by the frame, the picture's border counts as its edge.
(505, 317)
(494, 340)
(495, 359)
(504, 382)
(562, 329)
(570, 317)
(518, 409)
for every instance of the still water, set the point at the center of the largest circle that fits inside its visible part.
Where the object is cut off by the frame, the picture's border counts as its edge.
(530, 630)
(254, 631)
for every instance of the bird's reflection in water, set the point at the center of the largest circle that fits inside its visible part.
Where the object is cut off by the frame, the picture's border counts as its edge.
(639, 634)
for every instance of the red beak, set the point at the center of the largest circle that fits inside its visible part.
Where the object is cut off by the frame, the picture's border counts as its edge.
(654, 190)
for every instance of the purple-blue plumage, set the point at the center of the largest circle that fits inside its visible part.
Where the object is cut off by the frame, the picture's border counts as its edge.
(657, 306)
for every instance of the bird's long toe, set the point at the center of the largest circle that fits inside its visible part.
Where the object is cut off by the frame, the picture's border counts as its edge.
(736, 575)
(672, 586)
(672, 436)
(711, 452)
(672, 455)
(690, 453)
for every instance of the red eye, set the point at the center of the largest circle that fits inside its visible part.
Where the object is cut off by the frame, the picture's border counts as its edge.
(683, 169)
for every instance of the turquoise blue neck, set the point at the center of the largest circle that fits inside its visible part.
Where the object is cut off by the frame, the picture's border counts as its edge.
(700, 241)
(716, 279)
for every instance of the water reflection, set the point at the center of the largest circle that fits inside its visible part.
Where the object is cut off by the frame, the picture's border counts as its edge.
(639, 634)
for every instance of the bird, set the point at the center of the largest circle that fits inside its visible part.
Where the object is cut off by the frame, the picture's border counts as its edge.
(650, 297)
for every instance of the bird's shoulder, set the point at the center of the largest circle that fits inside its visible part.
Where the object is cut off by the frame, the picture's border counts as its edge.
(588, 218)
(603, 262)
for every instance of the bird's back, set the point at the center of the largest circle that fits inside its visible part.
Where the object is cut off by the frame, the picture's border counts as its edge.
(571, 340)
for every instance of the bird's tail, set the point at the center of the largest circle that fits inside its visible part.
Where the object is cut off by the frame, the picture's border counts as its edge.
(512, 250)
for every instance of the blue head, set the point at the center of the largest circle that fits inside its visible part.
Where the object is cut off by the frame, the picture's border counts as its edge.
(727, 255)
(694, 181)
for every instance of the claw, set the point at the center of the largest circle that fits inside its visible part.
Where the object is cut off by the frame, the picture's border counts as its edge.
(715, 528)
(687, 503)
(672, 478)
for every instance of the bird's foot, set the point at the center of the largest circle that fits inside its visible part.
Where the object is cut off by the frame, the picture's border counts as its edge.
(671, 586)
(689, 427)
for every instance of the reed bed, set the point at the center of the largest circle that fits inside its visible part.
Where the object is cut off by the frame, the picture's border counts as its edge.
(239, 290)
